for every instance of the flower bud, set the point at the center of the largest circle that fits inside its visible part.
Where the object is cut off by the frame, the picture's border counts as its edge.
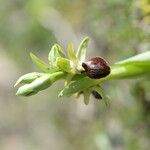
(36, 86)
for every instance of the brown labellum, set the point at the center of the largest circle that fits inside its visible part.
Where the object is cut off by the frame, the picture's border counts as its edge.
(96, 68)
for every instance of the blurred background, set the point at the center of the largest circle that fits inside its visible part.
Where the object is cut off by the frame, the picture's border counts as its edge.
(117, 30)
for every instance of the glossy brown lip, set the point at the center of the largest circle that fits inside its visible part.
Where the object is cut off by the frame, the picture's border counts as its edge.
(96, 68)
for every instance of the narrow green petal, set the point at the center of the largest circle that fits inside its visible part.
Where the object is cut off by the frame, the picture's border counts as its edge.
(86, 94)
(81, 53)
(71, 53)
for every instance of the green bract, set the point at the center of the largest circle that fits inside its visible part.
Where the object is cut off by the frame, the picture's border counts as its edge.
(69, 67)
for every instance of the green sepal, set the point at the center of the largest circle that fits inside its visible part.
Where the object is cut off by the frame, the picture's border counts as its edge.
(28, 78)
(81, 53)
(64, 64)
(40, 64)
(55, 52)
